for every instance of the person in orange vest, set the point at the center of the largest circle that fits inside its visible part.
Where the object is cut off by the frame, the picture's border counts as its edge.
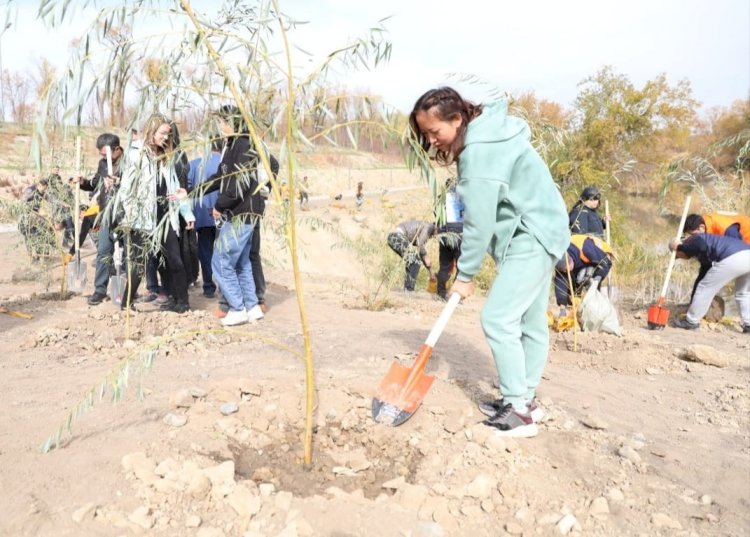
(731, 225)
(588, 259)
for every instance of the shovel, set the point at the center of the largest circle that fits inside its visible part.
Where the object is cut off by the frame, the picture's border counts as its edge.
(613, 293)
(658, 315)
(119, 281)
(77, 271)
(402, 390)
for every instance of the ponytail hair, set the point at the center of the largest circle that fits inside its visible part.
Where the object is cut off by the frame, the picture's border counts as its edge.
(445, 104)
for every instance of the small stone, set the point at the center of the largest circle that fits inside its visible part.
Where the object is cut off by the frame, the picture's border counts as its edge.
(599, 506)
(514, 528)
(181, 399)
(84, 513)
(167, 466)
(143, 468)
(635, 444)
(394, 484)
(229, 408)
(481, 487)
(142, 517)
(175, 420)
(453, 422)
(249, 386)
(411, 497)
(627, 452)
(566, 523)
(197, 393)
(706, 499)
(704, 354)
(266, 489)
(495, 443)
(660, 520)
(244, 501)
(193, 521)
(593, 422)
(199, 486)
(615, 495)
(221, 477)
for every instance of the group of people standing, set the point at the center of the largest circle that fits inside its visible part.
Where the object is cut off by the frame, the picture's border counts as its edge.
(171, 215)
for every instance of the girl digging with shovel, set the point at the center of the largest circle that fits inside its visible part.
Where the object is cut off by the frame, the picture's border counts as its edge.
(514, 211)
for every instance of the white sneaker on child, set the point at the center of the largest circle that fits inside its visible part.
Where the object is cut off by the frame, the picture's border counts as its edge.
(255, 313)
(234, 317)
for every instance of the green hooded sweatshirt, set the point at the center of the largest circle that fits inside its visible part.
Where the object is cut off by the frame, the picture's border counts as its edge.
(505, 186)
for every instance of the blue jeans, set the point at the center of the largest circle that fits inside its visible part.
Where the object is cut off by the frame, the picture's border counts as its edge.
(231, 266)
(206, 238)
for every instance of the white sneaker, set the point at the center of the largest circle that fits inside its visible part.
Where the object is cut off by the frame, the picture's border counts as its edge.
(233, 318)
(255, 313)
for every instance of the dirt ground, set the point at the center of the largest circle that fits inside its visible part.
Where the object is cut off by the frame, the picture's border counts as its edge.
(636, 440)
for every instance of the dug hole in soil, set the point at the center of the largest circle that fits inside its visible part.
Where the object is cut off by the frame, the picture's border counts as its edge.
(644, 434)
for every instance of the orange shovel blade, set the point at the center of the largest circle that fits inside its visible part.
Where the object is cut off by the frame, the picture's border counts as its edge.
(397, 398)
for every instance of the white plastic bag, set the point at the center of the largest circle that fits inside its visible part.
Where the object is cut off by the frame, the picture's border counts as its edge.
(598, 314)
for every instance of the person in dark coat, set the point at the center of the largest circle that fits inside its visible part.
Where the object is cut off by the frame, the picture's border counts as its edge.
(584, 218)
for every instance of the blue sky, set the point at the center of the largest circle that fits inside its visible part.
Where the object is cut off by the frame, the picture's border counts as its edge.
(546, 46)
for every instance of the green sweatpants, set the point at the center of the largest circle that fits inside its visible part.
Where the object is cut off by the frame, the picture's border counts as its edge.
(514, 318)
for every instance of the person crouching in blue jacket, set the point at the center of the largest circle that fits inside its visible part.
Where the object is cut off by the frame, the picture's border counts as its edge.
(588, 261)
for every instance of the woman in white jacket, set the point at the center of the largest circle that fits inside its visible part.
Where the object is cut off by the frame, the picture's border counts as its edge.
(148, 198)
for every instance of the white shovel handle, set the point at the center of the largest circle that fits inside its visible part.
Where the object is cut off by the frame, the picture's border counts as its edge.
(674, 252)
(442, 321)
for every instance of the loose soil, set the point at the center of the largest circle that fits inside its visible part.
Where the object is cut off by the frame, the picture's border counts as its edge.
(636, 440)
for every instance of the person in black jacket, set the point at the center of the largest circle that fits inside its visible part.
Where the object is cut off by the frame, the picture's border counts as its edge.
(258, 277)
(237, 210)
(105, 187)
(584, 218)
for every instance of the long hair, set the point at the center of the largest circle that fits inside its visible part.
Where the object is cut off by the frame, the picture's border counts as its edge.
(445, 104)
(149, 131)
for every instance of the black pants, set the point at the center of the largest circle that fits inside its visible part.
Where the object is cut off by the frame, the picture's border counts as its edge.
(450, 251)
(136, 255)
(189, 252)
(257, 265)
(206, 238)
(175, 273)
